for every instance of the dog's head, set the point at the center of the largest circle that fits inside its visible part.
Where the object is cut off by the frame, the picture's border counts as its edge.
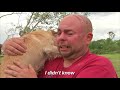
(42, 45)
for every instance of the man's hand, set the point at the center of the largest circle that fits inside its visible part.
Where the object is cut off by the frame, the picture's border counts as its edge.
(14, 46)
(20, 71)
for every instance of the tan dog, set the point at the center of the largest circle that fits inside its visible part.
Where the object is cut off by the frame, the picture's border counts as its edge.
(40, 47)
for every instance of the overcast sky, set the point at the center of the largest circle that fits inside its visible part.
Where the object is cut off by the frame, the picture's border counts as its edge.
(105, 22)
(102, 22)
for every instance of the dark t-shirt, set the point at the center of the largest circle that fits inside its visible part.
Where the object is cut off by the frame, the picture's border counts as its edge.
(89, 66)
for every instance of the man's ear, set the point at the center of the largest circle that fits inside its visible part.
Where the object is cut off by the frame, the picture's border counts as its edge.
(89, 37)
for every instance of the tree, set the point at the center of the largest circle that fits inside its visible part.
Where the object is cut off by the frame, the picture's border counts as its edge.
(111, 34)
(49, 19)
(10, 14)
(39, 20)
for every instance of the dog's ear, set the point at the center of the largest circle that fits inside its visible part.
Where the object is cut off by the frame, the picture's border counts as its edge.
(54, 33)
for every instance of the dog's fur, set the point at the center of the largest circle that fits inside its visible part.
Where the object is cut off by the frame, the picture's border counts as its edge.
(40, 47)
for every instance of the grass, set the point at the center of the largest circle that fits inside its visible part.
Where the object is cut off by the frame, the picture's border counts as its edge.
(115, 59)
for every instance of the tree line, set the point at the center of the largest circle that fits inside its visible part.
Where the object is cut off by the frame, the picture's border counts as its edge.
(105, 46)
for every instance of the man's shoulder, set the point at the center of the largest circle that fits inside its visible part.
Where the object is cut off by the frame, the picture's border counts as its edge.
(99, 59)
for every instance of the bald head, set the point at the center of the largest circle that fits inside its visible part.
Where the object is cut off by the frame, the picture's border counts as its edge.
(78, 20)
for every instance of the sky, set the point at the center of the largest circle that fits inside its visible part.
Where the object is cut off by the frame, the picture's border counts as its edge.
(105, 22)
(102, 22)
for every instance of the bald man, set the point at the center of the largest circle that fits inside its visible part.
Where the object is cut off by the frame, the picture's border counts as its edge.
(73, 39)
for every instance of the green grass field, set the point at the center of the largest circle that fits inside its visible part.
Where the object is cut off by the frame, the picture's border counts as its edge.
(115, 59)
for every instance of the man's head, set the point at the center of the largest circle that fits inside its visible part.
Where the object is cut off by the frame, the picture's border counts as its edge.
(74, 35)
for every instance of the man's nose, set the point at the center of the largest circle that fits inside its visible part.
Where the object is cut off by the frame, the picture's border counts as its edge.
(62, 36)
